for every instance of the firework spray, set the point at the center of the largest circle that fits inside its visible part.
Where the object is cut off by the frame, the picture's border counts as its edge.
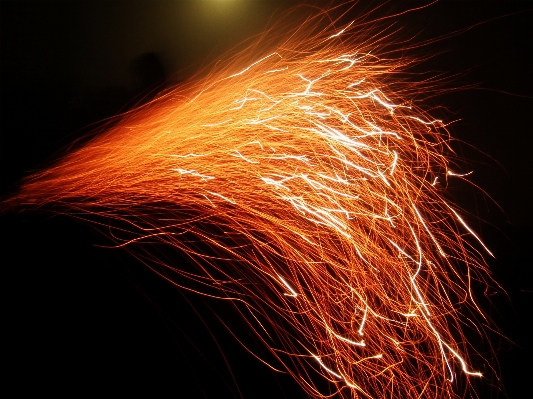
(304, 183)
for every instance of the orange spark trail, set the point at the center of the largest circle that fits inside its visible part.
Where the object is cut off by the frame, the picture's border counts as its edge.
(304, 185)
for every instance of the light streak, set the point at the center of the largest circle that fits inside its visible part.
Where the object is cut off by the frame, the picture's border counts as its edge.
(293, 293)
(298, 181)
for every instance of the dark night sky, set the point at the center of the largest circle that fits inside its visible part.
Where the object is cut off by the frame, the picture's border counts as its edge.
(78, 318)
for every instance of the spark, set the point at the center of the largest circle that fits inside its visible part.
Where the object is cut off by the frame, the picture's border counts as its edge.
(450, 173)
(341, 31)
(305, 164)
(293, 293)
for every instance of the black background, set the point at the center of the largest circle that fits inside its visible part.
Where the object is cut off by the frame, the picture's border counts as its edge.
(81, 319)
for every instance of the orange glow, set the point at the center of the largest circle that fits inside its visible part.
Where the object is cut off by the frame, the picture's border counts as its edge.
(317, 188)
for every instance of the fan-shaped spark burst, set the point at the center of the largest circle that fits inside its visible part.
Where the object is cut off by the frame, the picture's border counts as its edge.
(317, 190)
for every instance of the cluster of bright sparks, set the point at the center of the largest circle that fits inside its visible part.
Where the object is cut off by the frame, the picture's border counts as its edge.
(309, 191)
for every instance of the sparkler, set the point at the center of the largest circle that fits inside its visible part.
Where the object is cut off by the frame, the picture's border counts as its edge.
(306, 187)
